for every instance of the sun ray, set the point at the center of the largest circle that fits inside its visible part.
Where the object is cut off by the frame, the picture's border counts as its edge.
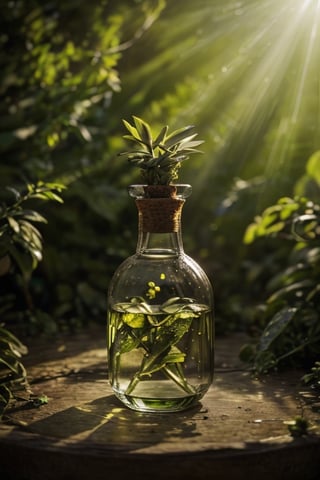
(250, 69)
(262, 82)
(291, 118)
(309, 53)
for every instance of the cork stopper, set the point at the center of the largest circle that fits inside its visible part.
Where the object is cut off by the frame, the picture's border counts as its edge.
(159, 215)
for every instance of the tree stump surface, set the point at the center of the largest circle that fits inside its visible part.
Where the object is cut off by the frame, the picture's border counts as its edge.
(238, 431)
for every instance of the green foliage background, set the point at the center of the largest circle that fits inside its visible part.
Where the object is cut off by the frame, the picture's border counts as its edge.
(71, 71)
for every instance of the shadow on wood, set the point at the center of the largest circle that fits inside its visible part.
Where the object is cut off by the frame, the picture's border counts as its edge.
(84, 432)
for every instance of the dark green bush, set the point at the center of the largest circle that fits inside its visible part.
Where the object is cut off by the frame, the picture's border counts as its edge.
(21, 249)
(287, 323)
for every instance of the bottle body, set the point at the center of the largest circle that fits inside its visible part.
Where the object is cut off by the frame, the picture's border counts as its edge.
(160, 331)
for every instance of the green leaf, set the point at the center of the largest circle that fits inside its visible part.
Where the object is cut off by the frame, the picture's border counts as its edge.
(39, 401)
(9, 359)
(177, 300)
(144, 132)
(134, 320)
(30, 234)
(14, 224)
(313, 167)
(41, 196)
(32, 216)
(250, 234)
(304, 227)
(294, 288)
(138, 306)
(138, 154)
(274, 228)
(173, 308)
(5, 394)
(289, 276)
(53, 196)
(9, 337)
(173, 356)
(284, 200)
(125, 341)
(298, 427)
(133, 139)
(132, 130)
(47, 195)
(178, 135)
(188, 144)
(275, 327)
(267, 220)
(288, 210)
(41, 186)
(9, 352)
(161, 137)
(167, 336)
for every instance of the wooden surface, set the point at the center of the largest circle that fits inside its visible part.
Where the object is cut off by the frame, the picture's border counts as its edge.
(238, 430)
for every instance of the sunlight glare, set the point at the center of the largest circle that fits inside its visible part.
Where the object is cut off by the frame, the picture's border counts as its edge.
(310, 49)
(263, 86)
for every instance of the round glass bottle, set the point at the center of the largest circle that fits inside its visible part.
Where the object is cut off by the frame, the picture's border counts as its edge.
(160, 330)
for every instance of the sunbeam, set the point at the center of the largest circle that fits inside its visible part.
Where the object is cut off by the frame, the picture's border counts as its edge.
(309, 53)
(250, 70)
(292, 117)
(256, 100)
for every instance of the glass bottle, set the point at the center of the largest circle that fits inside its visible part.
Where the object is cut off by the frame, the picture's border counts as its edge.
(160, 329)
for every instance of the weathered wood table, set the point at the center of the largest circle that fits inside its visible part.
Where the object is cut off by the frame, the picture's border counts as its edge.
(238, 431)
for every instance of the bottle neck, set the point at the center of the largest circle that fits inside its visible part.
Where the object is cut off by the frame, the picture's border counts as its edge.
(160, 226)
(159, 244)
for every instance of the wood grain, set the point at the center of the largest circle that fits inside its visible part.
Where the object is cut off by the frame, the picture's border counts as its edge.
(238, 430)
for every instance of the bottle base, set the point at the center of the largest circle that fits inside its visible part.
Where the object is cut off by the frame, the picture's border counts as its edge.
(158, 405)
(152, 396)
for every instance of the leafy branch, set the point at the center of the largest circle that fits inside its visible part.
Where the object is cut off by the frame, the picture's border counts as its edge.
(151, 17)
(157, 334)
(21, 247)
(159, 156)
(289, 319)
(20, 241)
(290, 315)
(12, 371)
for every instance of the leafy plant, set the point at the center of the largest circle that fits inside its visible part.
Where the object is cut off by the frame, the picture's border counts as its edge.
(313, 377)
(289, 320)
(20, 240)
(159, 156)
(298, 427)
(157, 333)
(12, 371)
(21, 247)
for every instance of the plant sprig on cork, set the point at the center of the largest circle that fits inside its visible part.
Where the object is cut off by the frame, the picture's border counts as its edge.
(159, 157)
